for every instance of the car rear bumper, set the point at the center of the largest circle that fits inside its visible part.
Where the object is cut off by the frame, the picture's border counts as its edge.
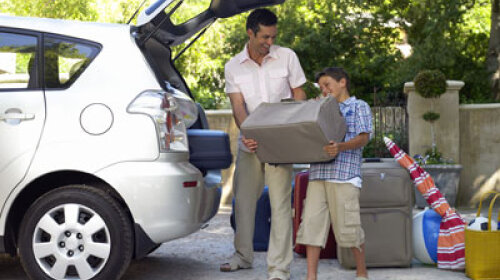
(157, 198)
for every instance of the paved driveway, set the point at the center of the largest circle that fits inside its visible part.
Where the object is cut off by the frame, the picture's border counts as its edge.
(198, 257)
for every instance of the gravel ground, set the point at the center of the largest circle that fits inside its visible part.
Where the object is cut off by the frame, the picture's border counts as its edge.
(199, 255)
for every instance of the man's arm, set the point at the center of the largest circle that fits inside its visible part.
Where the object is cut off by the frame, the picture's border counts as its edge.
(239, 109)
(240, 114)
(299, 93)
(296, 78)
(359, 141)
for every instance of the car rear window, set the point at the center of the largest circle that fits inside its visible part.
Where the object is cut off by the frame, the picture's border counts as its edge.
(65, 60)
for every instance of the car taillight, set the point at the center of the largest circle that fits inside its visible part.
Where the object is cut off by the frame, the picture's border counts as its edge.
(168, 125)
(170, 111)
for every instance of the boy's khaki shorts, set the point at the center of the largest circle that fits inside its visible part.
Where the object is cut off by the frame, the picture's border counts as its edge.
(337, 203)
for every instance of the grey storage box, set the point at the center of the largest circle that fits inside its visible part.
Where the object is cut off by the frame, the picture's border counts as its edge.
(386, 202)
(295, 132)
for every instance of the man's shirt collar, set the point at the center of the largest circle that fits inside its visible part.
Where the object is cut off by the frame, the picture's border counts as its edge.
(244, 56)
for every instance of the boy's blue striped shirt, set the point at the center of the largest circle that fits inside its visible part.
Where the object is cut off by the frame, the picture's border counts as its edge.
(347, 164)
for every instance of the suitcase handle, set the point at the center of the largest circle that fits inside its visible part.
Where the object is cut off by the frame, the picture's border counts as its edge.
(288, 100)
(372, 160)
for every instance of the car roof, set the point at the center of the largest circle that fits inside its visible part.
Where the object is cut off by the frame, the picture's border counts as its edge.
(99, 32)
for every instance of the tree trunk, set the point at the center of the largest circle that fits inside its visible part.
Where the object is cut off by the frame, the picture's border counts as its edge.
(433, 132)
(493, 59)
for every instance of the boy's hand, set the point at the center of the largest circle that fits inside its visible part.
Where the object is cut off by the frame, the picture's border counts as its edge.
(251, 144)
(332, 149)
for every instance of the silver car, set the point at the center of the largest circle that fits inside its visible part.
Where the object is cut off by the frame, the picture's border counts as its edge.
(95, 163)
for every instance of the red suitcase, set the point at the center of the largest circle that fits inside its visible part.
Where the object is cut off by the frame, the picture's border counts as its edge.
(330, 250)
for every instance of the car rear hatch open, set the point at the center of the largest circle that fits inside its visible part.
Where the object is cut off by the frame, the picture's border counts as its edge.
(156, 20)
(156, 34)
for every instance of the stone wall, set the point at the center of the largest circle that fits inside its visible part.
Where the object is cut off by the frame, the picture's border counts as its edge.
(479, 151)
(223, 120)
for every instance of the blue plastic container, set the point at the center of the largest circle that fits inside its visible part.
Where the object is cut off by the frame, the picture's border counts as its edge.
(262, 222)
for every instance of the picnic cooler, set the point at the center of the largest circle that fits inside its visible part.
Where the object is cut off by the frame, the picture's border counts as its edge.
(386, 202)
(482, 248)
(300, 190)
(209, 149)
(262, 222)
(295, 132)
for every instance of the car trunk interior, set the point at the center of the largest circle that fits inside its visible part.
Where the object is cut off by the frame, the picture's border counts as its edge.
(159, 58)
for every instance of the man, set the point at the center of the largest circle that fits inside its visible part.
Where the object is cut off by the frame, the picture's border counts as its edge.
(262, 72)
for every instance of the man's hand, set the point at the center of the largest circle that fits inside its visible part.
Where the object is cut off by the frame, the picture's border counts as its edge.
(251, 144)
(332, 149)
(299, 94)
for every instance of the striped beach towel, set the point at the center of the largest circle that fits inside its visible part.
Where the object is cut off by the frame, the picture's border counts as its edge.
(451, 240)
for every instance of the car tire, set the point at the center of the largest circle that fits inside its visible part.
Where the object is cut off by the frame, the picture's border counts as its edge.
(75, 232)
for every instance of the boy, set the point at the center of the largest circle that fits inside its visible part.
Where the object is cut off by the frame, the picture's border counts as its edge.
(334, 187)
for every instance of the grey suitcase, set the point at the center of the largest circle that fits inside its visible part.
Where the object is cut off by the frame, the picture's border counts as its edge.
(388, 238)
(386, 202)
(385, 184)
(295, 132)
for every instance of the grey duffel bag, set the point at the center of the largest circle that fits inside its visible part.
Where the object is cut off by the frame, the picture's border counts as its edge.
(295, 132)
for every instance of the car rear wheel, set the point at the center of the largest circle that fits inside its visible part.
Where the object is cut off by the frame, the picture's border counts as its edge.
(75, 232)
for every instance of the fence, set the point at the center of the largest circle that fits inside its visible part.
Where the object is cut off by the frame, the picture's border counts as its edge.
(388, 121)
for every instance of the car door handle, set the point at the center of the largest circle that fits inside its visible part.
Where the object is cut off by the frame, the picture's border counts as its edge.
(16, 116)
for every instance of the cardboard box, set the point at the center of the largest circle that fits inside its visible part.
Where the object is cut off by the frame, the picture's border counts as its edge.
(295, 132)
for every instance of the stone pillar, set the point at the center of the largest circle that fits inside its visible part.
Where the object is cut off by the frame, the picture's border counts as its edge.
(446, 128)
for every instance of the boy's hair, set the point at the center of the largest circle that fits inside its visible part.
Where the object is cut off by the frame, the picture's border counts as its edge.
(261, 16)
(337, 73)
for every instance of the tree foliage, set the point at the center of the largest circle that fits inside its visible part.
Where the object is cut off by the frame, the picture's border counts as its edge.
(445, 36)
(493, 58)
(350, 34)
(361, 36)
(64, 9)
(117, 11)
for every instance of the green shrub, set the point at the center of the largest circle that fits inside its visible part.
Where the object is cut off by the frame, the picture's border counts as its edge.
(431, 116)
(430, 83)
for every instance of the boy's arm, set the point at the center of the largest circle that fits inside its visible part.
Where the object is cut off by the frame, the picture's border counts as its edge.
(359, 141)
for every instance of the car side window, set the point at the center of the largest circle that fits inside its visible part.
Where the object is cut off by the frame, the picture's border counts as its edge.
(65, 60)
(17, 61)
